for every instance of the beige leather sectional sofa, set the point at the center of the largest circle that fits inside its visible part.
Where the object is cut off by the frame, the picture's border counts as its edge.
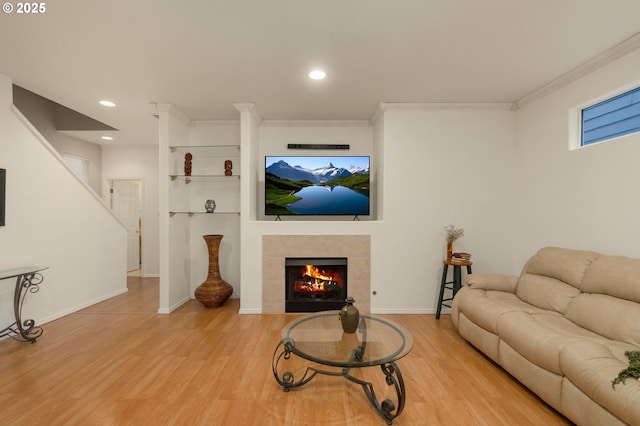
(561, 329)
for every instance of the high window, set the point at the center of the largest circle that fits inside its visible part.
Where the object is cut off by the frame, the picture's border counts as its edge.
(611, 118)
(79, 165)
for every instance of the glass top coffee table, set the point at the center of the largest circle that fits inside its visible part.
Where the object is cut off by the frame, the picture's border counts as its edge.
(319, 338)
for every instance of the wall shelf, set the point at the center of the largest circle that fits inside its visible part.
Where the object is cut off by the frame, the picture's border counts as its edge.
(204, 178)
(200, 151)
(171, 214)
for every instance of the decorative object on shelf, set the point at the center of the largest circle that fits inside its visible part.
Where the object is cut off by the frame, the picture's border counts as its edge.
(349, 316)
(215, 291)
(187, 164)
(452, 235)
(210, 206)
(228, 168)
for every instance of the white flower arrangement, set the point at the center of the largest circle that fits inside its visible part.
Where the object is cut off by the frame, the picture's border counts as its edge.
(453, 233)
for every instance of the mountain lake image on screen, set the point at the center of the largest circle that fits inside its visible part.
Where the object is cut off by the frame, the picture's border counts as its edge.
(317, 185)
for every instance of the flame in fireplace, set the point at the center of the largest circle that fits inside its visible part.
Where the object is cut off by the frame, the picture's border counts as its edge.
(317, 281)
(315, 273)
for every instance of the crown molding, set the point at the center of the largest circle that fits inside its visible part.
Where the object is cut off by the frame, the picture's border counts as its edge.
(408, 106)
(605, 58)
(378, 113)
(249, 107)
(316, 123)
(171, 109)
(215, 123)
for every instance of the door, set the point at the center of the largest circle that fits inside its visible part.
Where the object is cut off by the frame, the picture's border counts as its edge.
(126, 204)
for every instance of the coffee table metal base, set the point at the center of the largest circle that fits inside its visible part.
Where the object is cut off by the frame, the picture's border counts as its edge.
(393, 377)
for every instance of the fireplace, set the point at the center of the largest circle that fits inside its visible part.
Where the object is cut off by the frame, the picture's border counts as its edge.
(315, 284)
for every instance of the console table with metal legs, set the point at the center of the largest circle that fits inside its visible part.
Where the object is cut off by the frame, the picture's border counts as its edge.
(454, 285)
(28, 280)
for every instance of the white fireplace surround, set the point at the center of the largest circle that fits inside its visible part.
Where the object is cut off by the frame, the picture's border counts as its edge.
(276, 248)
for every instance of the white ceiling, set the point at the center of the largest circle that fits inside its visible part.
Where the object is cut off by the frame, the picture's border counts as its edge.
(204, 55)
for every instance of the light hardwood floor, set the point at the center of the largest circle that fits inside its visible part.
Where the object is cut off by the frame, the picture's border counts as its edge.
(120, 363)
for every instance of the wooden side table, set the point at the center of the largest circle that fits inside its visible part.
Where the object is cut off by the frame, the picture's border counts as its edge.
(454, 285)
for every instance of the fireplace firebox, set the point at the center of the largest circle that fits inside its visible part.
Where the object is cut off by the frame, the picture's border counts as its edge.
(315, 284)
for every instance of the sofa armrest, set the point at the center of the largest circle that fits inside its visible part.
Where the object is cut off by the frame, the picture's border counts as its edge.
(498, 282)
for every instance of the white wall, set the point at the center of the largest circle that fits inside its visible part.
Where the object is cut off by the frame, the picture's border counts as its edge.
(53, 219)
(41, 114)
(587, 198)
(141, 163)
(506, 177)
(250, 236)
(175, 232)
(441, 165)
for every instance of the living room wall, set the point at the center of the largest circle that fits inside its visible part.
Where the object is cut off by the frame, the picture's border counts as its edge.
(140, 162)
(41, 113)
(53, 219)
(442, 165)
(587, 198)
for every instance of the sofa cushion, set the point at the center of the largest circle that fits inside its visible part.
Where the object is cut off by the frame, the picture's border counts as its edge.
(614, 318)
(591, 366)
(581, 409)
(545, 292)
(539, 336)
(482, 339)
(545, 384)
(566, 265)
(614, 275)
(485, 307)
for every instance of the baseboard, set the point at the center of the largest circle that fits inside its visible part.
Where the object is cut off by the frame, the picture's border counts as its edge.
(250, 311)
(173, 307)
(80, 307)
(403, 311)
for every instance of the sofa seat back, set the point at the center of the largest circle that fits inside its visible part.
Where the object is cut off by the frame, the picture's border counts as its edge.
(609, 303)
(552, 277)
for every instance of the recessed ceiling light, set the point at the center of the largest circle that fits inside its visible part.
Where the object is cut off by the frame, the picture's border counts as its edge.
(317, 75)
(106, 138)
(107, 103)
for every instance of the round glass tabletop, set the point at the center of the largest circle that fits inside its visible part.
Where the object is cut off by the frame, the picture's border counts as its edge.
(320, 338)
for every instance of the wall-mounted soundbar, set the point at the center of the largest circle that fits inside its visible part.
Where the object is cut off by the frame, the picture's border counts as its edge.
(317, 146)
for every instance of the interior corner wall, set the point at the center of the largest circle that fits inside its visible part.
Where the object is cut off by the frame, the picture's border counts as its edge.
(250, 228)
(140, 162)
(53, 220)
(174, 241)
(586, 198)
(378, 173)
(442, 165)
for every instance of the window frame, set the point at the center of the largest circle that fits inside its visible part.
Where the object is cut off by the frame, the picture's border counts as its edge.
(576, 117)
(79, 166)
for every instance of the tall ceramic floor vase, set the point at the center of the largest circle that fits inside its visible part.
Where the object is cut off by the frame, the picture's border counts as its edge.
(214, 291)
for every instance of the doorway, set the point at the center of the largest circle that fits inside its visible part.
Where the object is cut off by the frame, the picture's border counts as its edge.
(125, 200)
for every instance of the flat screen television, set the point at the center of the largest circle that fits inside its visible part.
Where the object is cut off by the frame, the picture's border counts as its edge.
(317, 185)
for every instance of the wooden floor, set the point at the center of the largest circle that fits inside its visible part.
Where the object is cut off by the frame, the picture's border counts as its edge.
(120, 363)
